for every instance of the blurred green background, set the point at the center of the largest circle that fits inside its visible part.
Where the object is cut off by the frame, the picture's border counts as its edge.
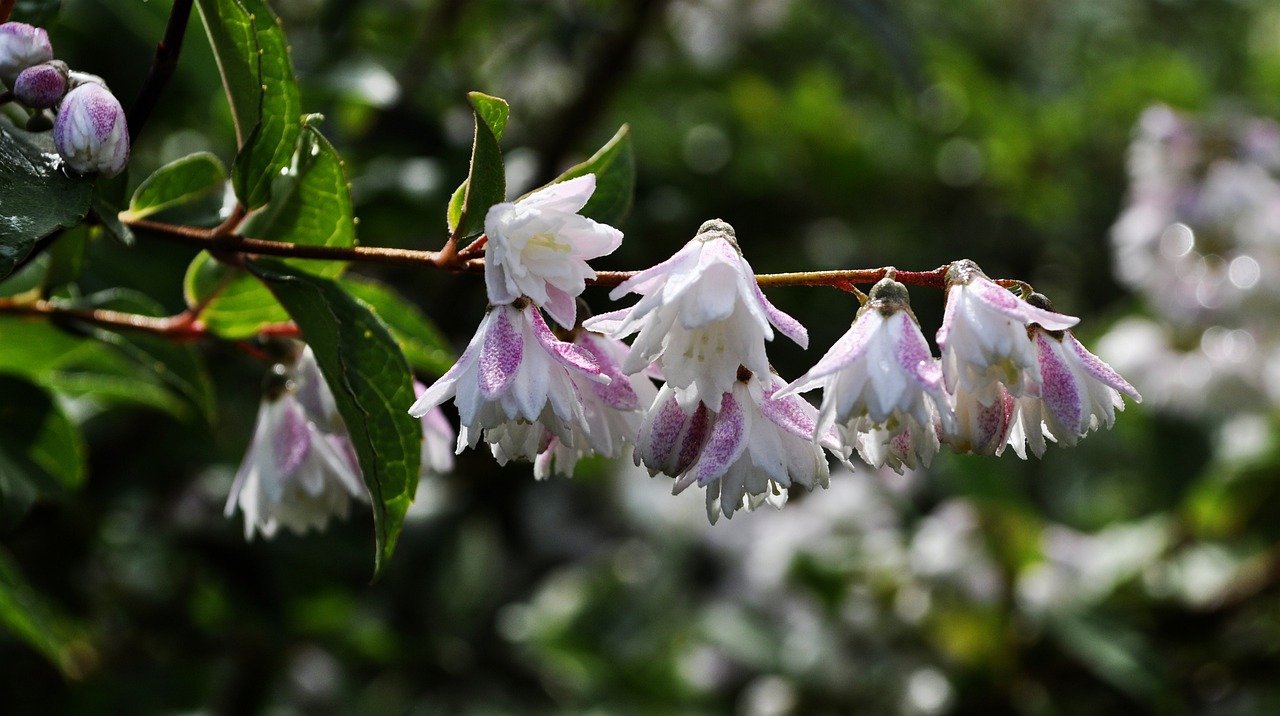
(1137, 573)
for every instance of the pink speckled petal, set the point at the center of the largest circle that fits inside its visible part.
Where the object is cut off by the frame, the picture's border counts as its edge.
(1101, 370)
(727, 442)
(1003, 300)
(912, 352)
(290, 441)
(567, 354)
(664, 433)
(1058, 388)
(786, 325)
(501, 354)
(789, 413)
(618, 392)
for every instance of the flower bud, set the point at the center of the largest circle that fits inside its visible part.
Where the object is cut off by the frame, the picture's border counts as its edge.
(41, 86)
(90, 131)
(21, 46)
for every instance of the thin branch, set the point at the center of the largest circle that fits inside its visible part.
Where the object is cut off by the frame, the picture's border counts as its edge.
(163, 65)
(184, 326)
(465, 262)
(6, 6)
(208, 239)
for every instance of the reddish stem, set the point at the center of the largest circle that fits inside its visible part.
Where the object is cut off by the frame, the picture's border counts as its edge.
(6, 6)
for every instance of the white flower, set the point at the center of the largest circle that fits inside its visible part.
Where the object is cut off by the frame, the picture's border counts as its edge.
(90, 132)
(539, 246)
(746, 454)
(701, 316)
(437, 438)
(300, 468)
(880, 382)
(983, 337)
(514, 372)
(1078, 393)
(21, 46)
(980, 429)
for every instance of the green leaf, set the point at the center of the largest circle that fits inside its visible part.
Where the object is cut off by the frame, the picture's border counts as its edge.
(238, 305)
(78, 367)
(39, 446)
(40, 13)
(183, 181)
(312, 201)
(25, 613)
(423, 344)
(36, 196)
(257, 74)
(615, 168)
(66, 259)
(486, 182)
(372, 386)
(312, 206)
(175, 365)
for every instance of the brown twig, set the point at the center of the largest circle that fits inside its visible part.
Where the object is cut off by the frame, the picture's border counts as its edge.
(6, 7)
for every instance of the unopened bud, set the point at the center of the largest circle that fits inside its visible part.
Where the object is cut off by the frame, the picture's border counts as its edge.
(21, 46)
(90, 131)
(41, 86)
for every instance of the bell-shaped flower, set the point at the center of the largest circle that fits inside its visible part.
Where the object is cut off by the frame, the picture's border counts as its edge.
(979, 428)
(41, 86)
(21, 46)
(514, 372)
(983, 337)
(880, 381)
(539, 246)
(90, 131)
(613, 413)
(1078, 393)
(300, 469)
(701, 315)
(748, 453)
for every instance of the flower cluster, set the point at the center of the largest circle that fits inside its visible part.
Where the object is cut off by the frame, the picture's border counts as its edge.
(89, 129)
(1009, 372)
(1197, 238)
(301, 468)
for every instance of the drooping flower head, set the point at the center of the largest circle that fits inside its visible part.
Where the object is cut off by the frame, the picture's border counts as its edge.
(881, 382)
(1078, 393)
(90, 131)
(613, 413)
(300, 469)
(514, 372)
(981, 429)
(539, 246)
(755, 447)
(700, 316)
(21, 46)
(983, 337)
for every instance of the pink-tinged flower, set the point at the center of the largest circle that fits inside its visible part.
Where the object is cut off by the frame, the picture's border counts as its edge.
(90, 132)
(300, 468)
(514, 371)
(983, 337)
(880, 382)
(701, 315)
(613, 413)
(41, 86)
(749, 452)
(981, 429)
(1078, 393)
(21, 46)
(438, 438)
(539, 247)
